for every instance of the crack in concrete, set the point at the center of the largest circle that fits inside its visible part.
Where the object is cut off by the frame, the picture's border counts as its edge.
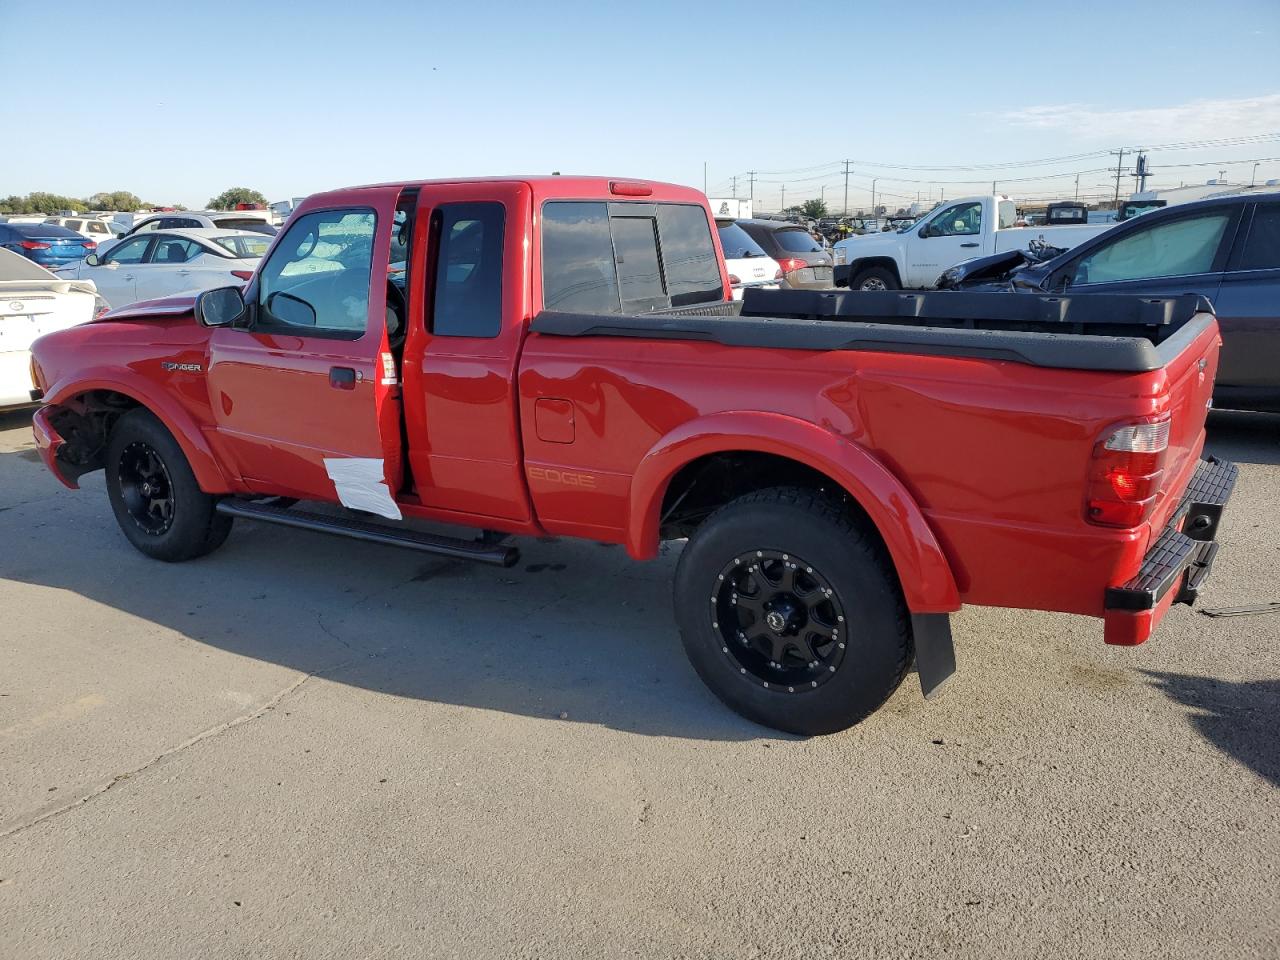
(200, 737)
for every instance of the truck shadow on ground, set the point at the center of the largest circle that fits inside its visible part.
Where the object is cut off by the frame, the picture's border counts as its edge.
(1244, 437)
(575, 631)
(1237, 718)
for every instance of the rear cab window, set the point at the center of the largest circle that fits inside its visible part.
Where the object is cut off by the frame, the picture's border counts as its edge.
(624, 257)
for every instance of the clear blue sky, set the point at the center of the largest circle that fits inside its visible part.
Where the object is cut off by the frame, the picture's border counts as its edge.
(295, 97)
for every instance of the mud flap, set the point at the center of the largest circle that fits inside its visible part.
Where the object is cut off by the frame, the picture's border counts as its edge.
(935, 652)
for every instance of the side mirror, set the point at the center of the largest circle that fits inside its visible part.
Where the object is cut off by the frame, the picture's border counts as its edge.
(92, 260)
(221, 307)
(926, 231)
(119, 235)
(292, 310)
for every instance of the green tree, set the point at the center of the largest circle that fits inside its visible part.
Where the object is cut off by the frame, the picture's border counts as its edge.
(814, 208)
(120, 200)
(228, 199)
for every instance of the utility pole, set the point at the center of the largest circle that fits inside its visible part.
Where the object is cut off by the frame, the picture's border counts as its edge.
(734, 178)
(1140, 172)
(1077, 187)
(751, 174)
(993, 187)
(1253, 181)
(1119, 170)
(846, 186)
(874, 181)
(784, 199)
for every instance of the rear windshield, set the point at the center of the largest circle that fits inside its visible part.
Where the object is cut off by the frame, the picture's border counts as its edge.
(600, 257)
(256, 224)
(244, 247)
(45, 230)
(796, 241)
(737, 243)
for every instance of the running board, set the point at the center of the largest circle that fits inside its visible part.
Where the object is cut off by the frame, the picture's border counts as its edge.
(483, 550)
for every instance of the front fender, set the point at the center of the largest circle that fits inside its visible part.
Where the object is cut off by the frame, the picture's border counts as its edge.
(927, 581)
(173, 415)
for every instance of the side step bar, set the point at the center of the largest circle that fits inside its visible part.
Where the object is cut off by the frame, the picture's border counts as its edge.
(483, 550)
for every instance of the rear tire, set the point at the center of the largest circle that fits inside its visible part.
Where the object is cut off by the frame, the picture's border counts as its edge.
(154, 495)
(875, 279)
(791, 613)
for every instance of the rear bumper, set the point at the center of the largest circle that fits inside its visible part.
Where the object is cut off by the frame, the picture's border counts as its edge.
(1178, 561)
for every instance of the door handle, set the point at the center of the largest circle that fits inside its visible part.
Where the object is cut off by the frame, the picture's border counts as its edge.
(128, 276)
(184, 273)
(968, 244)
(342, 378)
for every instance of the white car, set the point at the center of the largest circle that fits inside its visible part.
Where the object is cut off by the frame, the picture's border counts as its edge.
(916, 255)
(34, 302)
(91, 227)
(163, 263)
(257, 221)
(746, 261)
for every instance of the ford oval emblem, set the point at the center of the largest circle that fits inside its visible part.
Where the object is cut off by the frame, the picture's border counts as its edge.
(16, 306)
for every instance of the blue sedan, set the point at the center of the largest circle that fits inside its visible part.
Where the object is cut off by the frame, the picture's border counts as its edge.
(47, 244)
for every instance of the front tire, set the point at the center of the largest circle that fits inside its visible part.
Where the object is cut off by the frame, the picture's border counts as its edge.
(875, 279)
(791, 613)
(154, 495)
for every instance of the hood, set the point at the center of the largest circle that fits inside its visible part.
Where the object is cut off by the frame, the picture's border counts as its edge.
(150, 309)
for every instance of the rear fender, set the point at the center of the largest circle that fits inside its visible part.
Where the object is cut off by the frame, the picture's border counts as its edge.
(927, 581)
(168, 411)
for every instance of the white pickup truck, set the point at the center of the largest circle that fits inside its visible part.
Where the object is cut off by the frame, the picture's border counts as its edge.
(915, 256)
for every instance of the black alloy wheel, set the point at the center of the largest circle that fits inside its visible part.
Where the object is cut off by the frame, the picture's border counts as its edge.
(146, 488)
(781, 622)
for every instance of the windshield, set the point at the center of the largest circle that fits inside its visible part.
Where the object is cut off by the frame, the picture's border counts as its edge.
(737, 243)
(797, 241)
(247, 248)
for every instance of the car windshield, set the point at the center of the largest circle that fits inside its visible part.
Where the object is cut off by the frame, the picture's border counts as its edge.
(244, 247)
(737, 244)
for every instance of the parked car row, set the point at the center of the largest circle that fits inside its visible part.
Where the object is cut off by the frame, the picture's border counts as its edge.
(162, 263)
(1226, 249)
(772, 254)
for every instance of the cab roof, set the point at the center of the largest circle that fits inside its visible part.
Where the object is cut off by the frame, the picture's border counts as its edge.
(546, 186)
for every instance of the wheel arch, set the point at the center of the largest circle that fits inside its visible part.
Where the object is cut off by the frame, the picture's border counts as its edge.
(923, 569)
(864, 263)
(107, 390)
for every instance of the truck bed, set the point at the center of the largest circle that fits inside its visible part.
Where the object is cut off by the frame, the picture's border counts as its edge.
(1104, 333)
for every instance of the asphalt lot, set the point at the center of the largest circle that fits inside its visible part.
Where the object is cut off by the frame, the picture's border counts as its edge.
(305, 747)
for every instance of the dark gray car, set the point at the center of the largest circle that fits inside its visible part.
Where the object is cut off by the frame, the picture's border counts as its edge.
(1224, 248)
(805, 265)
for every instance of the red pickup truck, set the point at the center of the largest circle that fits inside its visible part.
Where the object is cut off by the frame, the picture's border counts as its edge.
(560, 356)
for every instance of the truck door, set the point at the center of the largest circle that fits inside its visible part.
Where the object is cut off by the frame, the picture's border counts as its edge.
(306, 397)
(469, 301)
(948, 237)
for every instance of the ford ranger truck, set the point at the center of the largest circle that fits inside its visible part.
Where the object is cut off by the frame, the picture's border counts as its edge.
(559, 356)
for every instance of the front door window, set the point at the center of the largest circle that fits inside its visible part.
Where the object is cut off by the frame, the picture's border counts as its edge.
(1171, 249)
(317, 277)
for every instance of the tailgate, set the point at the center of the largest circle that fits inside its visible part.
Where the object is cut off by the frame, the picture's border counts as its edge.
(1190, 379)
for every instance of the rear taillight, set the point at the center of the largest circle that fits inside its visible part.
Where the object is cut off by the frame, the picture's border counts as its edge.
(33, 245)
(790, 264)
(734, 280)
(89, 244)
(1125, 474)
(245, 275)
